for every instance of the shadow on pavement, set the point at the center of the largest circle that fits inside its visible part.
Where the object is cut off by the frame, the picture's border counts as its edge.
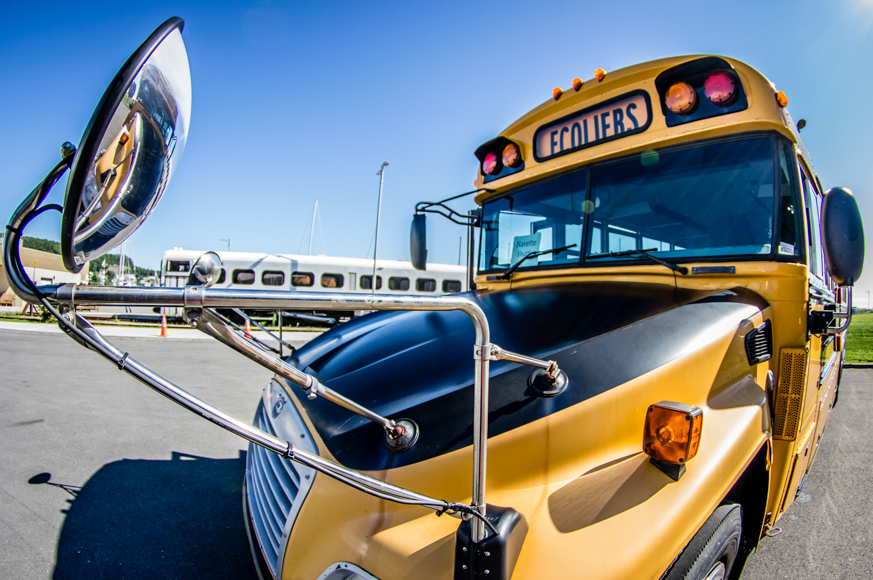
(138, 519)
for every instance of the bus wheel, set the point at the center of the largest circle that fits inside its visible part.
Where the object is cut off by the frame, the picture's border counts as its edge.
(711, 552)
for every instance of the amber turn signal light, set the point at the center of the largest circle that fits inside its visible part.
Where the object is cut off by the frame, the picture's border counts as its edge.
(672, 432)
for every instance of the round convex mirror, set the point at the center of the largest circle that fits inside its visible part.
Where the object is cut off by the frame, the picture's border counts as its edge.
(130, 148)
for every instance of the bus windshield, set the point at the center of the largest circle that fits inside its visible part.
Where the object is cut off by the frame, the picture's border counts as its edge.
(709, 200)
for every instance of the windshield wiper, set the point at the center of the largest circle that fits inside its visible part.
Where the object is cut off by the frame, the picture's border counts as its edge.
(534, 254)
(676, 268)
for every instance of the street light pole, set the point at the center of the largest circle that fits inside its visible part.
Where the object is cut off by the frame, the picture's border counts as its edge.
(228, 240)
(381, 174)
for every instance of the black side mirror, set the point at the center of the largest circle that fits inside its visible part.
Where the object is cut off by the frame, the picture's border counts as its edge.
(418, 241)
(842, 236)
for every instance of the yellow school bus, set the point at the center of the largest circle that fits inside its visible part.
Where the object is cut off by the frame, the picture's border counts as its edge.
(656, 232)
(653, 243)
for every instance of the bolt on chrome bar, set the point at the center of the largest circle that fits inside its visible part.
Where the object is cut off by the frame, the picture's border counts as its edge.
(550, 366)
(194, 297)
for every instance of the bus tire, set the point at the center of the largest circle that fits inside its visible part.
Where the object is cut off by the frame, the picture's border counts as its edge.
(711, 553)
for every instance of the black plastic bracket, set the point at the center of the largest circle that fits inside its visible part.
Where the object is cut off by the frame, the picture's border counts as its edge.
(495, 556)
(820, 320)
(674, 471)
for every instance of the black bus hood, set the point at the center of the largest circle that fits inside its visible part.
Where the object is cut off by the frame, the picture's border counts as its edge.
(419, 365)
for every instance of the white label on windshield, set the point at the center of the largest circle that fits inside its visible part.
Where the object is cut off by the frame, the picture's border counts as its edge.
(524, 245)
(785, 248)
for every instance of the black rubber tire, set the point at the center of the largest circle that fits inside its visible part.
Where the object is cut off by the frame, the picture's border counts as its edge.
(715, 544)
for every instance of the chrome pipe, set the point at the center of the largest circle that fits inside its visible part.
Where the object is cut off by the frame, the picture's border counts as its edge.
(153, 380)
(211, 324)
(847, 315)
(198, 297)
(179, 395)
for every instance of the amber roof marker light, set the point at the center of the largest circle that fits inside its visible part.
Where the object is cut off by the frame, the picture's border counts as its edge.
(556, 92)
(599, 74)
(671, 436)
(577, 83)
(681, 98)
(782, 99)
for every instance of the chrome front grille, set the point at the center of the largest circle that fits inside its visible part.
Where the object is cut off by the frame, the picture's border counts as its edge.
(276, 486)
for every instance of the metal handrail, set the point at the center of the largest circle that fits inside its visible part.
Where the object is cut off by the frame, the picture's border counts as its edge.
(195, 297)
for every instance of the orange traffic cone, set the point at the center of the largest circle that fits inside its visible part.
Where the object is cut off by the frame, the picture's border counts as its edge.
(248, 329)
(164, 333)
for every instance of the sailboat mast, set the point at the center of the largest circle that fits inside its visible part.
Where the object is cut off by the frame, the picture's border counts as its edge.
(312, 227)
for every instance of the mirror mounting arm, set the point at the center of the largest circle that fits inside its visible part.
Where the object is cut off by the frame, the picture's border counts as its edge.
(27, 210)
(846, 316)
(440, 207)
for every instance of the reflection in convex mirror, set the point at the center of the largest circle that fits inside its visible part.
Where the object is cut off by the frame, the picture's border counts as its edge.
(130, 148)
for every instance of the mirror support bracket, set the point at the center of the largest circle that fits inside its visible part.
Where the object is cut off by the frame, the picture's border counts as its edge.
(846, 316)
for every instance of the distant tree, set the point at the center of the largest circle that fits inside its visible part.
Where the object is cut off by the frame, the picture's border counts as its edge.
(41, 245)
(94, 265)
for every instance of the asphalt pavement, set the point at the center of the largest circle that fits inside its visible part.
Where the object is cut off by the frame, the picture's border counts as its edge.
(101, 477)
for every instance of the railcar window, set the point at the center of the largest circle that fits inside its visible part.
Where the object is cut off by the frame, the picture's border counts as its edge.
(179, 266)
(222, 277)
(367, 282)
(273, 278)
(425, 285)
(451, 286)
(302, 278)
(398, 283)
(244, 277)
(332, 280)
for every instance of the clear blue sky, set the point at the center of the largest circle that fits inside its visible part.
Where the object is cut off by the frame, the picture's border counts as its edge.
(295, 101)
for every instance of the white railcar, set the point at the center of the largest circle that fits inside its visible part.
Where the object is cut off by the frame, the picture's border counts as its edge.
(315, 274)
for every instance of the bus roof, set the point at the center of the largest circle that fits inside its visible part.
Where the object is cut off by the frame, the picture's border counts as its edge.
(762, 114)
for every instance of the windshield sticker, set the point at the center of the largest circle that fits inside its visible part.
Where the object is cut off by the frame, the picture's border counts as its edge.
(627, 115)
(786, 248)
(524, 245)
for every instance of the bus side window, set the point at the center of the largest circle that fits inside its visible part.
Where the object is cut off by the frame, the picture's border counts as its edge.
(451, 286)
(243, 277)
(398, 283)
(273, 278)
(302, 278)
(790, 207)
(813, 213)
(425, 285)
(178, 266)
(332, 280)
